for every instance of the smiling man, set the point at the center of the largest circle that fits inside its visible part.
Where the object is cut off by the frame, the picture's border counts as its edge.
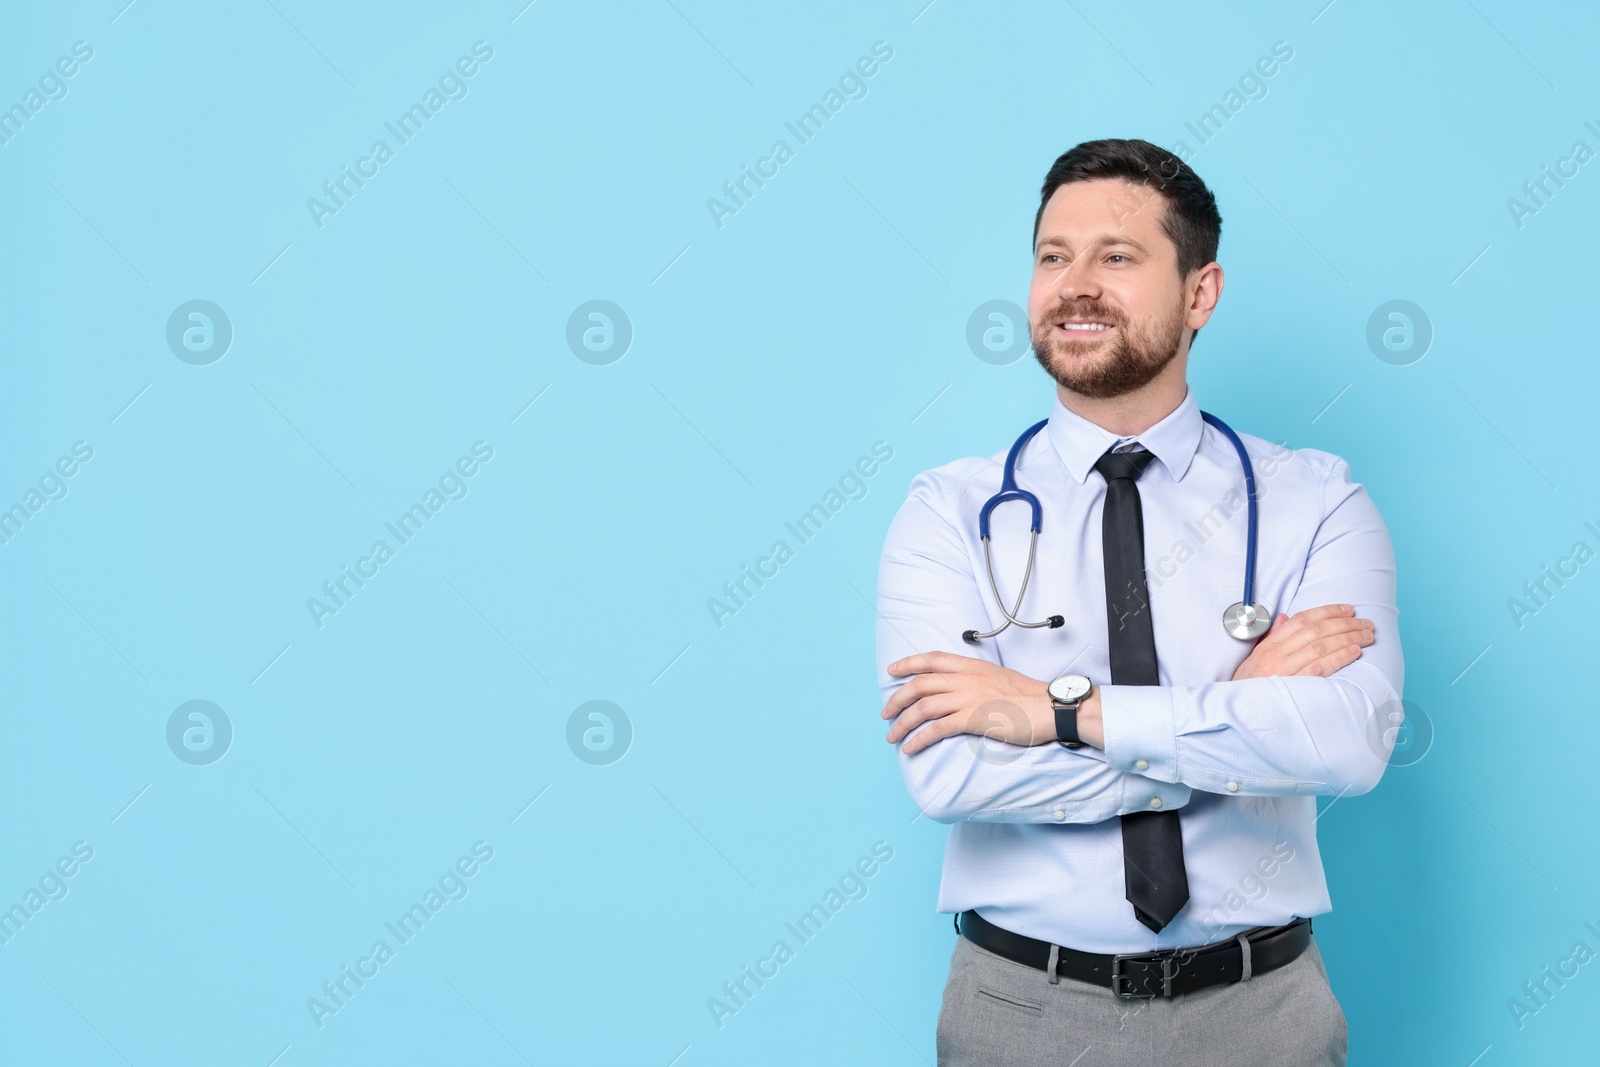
(1131, 789)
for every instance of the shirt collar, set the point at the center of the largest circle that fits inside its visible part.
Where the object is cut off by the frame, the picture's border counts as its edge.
(1080, 442)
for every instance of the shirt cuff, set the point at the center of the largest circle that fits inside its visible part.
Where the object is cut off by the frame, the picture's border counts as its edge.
(1140, 732)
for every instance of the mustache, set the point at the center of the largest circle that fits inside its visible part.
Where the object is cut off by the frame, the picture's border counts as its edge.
(1083, 311)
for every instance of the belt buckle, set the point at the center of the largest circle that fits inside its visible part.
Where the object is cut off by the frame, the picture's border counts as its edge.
(1169, 969)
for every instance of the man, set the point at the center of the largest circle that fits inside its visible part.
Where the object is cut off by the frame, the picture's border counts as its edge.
(1145, 896)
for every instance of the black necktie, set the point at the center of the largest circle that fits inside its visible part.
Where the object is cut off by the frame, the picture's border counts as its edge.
(1152, 842)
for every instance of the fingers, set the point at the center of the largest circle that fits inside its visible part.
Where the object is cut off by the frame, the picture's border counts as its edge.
(948, 725)
(957, 720)
(1326, 611)
(1336, 660)
(920, 686)
(1324, 636)
(936, 732)
(1286, 624)
(1321, 655)
(937, 662)
(932, 707)
(930, 673)
(1332, 621)
(1314, 642)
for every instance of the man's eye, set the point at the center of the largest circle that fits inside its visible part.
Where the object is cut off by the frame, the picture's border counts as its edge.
(1116, 255)
(1048, 256)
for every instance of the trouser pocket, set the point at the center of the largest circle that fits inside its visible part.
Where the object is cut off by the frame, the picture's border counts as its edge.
(1015, 1003)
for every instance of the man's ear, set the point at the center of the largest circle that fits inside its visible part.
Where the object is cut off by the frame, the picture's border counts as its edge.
(1205, 290)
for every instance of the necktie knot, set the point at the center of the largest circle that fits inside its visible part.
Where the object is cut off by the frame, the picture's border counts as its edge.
(1127, 465)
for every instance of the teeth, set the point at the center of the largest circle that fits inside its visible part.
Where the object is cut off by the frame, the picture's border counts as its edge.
(1085, 326)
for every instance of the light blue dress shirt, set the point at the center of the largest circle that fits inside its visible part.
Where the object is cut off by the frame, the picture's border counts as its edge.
(1035, 844)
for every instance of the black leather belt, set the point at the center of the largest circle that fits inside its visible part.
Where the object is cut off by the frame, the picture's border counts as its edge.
(1164, 973)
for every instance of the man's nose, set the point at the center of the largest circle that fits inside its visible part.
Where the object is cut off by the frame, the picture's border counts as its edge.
(1078, 280)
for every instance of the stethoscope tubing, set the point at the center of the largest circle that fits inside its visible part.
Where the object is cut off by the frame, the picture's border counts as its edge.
(1251, 624)
(1250, 493)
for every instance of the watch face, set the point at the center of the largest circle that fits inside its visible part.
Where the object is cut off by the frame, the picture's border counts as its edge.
(1069, 687)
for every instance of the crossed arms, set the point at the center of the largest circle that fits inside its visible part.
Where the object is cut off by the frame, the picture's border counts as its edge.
(1314, 709)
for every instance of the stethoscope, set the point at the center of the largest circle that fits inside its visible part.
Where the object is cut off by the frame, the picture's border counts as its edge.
(1245, 620)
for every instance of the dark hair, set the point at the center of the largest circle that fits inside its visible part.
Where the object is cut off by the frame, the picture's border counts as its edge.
(1191, 220)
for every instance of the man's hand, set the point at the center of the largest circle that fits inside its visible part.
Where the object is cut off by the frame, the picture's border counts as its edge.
(967, 696)
(1314, 643)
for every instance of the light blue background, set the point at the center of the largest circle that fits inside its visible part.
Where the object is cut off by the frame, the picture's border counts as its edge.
(768, 354)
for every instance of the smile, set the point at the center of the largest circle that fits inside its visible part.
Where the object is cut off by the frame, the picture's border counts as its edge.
(1083, 327)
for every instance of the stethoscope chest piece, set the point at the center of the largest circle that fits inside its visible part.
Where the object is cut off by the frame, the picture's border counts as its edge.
(1246, 622)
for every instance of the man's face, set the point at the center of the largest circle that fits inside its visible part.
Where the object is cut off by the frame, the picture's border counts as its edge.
(1106, 308)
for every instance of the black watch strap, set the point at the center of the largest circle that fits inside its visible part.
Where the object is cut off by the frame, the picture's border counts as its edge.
(1067, 723)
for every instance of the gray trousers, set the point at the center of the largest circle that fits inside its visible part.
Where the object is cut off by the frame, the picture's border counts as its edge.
(997, 1013)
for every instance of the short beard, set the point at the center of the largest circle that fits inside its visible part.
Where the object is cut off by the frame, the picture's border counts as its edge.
(1133, 362)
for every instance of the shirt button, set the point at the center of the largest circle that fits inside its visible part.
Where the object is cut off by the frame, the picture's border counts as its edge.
(1142, 764)
(1155, 802)
(1233, 787)
(1060, 815)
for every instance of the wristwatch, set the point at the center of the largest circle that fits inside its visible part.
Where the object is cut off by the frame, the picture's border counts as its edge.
(1067, 693)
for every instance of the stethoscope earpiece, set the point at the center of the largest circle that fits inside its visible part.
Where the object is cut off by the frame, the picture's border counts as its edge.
(1240, 621)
